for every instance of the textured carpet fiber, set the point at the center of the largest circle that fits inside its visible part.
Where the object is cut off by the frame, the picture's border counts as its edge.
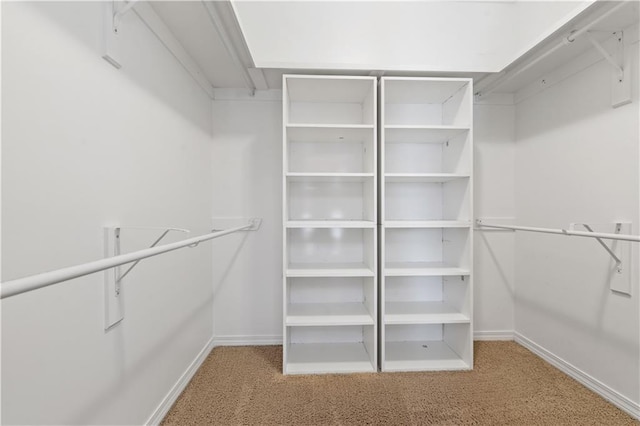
(508, 386)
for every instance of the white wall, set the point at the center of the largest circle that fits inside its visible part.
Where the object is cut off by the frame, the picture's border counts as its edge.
(494, 197)
(577, 161)
(86, 145)
(247, 176)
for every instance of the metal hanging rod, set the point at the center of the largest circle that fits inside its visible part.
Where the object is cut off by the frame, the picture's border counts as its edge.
(34, 282)
(570, 233)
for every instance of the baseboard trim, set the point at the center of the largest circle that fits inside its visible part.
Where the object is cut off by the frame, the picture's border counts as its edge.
(493, 335)
(617, 399)
(247, 340)
(176, 390)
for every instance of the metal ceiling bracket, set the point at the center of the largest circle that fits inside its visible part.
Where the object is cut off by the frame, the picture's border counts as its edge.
(619, 277)
(117, 16)
(155, 243)
(620, 80)
(606, 247)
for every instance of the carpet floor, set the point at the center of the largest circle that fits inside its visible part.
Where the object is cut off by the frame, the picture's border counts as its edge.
(508, 386)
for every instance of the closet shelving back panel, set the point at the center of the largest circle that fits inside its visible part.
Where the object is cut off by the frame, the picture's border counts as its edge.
(426, 210)
(330, 218)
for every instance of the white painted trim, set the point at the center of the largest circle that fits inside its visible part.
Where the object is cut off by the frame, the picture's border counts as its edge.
(152, 20)
(493, 335)
(616, 398)
(158, 414)
(247, 340)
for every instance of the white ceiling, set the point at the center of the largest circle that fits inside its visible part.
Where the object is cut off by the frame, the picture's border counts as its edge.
(419, 38)
(439, 36)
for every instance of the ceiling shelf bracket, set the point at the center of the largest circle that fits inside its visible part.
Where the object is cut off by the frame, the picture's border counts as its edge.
(620, 80)
(122, 11)
(607, 248)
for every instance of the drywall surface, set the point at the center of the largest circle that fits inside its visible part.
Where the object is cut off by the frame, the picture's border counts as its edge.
(494, 198)
(439, 36)
(247, 182)
(577, 161)
(85, 146)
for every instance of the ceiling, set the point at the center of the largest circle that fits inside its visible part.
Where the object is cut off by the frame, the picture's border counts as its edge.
(250, 44)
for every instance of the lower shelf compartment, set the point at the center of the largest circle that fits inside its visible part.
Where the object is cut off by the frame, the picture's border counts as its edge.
(318, 358)
(421, 356)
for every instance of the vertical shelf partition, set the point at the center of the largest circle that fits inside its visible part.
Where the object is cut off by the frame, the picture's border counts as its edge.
(330, 217)
(426, 210)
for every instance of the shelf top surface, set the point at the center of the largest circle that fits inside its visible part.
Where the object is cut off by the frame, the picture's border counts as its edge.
(328, 177)
(360, 224)
(424, 177)
(422, 134)
(423, 269)
(427, 224)
(329, 270)
(422, 313)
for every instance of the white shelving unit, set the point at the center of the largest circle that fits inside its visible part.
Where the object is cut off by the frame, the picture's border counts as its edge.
(330, 224)
(426, 209)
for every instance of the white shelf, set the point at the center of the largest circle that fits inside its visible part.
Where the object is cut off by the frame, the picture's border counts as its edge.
(422, 134)
(359, 224)
(423, 177)
(330, 222)
(328, 270)
(414, 356)
(317, 358)
(323, 129)
(422, 313)
(328, 177)
(328, 314)
(423, 269)
(427, 224)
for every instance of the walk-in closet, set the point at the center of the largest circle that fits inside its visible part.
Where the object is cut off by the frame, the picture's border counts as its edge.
(320, 212)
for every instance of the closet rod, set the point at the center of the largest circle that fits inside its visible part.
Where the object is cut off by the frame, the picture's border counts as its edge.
(34, 282)
(634, 238)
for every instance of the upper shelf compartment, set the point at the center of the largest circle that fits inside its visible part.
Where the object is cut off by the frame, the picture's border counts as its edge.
(427, 102)
(327, 100)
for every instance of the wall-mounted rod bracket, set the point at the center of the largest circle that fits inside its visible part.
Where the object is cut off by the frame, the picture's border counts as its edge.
(606, 247)
(113, 298)
(155, 243)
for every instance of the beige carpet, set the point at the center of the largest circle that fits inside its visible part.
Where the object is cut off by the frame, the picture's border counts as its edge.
(508, 386)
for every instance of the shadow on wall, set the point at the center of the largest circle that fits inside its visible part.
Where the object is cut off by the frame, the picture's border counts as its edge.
(108, 396)
(145, 60)
(504, 279)
(232, 256)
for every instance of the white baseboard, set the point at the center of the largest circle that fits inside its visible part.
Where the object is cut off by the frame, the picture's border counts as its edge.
(177, 389)
(493, 335)
(617, 399)
(247, 340)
